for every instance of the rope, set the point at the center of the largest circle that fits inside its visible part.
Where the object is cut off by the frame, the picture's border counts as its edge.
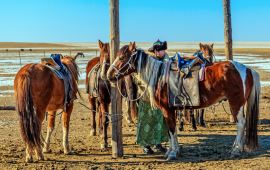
(109, 116)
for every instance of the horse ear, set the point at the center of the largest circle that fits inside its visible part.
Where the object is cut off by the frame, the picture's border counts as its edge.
(132, 46)
(201, 46)
(100, 44)
(212, 45)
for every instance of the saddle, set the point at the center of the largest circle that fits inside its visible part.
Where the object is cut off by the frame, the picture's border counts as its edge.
(183, 90)
(61, 71)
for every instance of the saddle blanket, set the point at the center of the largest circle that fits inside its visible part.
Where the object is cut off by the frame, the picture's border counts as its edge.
(92, 84)
(182, 91)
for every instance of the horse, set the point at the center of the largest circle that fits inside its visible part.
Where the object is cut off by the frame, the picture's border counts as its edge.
(100, 102)
(38, 90)
(229, 80)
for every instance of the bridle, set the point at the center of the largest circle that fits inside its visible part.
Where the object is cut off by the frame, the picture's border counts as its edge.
(131, 61)
(119, 72)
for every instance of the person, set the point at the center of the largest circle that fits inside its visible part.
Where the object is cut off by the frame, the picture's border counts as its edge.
(152, 129)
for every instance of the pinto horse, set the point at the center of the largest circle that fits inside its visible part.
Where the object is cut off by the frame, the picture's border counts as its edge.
(38, 90)
(229, 80)
(101, 102)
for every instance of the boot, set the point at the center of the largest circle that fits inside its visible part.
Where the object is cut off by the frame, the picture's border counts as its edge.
(186, 69)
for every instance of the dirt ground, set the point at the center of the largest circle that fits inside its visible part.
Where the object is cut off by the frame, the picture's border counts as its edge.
(207, 148)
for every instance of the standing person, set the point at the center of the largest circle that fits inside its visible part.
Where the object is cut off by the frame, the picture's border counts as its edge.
(152, 129)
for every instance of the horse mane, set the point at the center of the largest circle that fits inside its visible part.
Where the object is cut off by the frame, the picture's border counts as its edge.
(149, 69)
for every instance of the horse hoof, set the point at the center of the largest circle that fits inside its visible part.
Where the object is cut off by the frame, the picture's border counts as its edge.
(40, 158)
(28, 159)
(171, 158)
(167, 153)
(93, 133)
(235, 153)
(103, 146)
(181, 129)
(71, 152)
(45, 150)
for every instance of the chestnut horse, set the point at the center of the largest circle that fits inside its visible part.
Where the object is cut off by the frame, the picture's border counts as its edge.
(100, 103)
(229, 80)
(38, 90)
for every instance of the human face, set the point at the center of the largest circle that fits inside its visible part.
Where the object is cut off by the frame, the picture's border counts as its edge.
(160, 54)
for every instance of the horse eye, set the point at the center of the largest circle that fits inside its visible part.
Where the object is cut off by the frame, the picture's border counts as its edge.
(121, 57)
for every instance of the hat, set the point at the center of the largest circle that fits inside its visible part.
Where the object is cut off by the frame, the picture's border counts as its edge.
(158, 45)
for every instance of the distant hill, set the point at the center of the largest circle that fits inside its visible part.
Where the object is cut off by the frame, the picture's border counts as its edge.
(31, 45)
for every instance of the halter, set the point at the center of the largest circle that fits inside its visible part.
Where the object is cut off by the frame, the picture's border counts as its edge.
(129, 63)
(118, 73)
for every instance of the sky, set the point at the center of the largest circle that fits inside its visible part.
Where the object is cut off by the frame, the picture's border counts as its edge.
(140, 20)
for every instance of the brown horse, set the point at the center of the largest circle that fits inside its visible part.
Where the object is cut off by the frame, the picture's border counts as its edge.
(100, 102)
(223, 80)
(38, 90)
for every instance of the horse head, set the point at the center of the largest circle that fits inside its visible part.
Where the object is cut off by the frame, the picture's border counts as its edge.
(207, 50)
(104, 58)
(124, 64)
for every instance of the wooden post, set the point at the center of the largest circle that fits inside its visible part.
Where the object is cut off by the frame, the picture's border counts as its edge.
(116, 104)
(227, 30)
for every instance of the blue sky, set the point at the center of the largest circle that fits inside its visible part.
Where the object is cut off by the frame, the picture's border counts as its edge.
(140, 20)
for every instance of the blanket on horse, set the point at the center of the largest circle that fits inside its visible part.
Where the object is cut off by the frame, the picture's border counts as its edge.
(182, 91)
(93, 83)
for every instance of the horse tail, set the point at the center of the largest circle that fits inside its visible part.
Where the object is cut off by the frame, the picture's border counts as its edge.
(252, 113)
(29, 122)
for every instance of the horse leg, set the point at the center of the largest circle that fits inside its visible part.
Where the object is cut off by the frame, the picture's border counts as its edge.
(128, 114)
(192, 119)
(65, 125)
(93, 109)
(238, 145)
(181, 120)
(28, 154)
(104, 123)
(201, 118)
(174, 150)
(50, 128)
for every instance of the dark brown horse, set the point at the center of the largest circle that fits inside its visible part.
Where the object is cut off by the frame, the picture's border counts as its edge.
(100, 103)
(38, 90)
(223, 80)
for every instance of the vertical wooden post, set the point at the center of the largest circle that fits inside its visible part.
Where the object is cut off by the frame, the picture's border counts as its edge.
(227, 29)
(116, 104)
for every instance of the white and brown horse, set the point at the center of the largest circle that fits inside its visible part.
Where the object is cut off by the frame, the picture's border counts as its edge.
(223, 80)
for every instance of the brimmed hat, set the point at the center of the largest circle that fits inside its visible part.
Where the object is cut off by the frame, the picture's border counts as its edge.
(158, 45)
